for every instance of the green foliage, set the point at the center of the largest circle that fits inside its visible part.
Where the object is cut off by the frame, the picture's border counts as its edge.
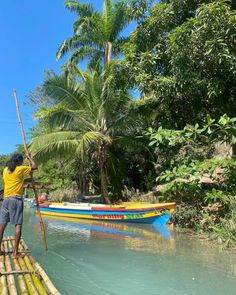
(183, 56)
(187, 216)
(226, 230)
(214, 196)
(223, 130)
(64, 195)
(204, 184)
(203, 57)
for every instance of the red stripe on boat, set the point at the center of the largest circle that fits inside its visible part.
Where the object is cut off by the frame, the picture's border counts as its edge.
(132, 209)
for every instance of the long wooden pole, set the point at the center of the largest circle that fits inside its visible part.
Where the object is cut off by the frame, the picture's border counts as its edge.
(31, 174)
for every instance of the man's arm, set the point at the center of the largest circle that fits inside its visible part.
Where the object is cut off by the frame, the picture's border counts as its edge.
(33, 165)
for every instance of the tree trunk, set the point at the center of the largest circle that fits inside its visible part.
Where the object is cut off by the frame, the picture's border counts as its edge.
(107, 52)
(233, 149)
(104, 175)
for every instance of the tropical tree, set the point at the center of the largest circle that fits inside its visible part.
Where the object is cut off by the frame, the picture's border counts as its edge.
(182, 57)
(97, 35)
(87, 114)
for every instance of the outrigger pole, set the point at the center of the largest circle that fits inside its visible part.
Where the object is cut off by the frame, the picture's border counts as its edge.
(31, 174)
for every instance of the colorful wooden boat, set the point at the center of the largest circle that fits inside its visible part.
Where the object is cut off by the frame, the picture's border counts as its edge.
(137, 212)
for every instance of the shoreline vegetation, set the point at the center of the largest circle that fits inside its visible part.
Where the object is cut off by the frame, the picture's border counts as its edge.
(153, 115)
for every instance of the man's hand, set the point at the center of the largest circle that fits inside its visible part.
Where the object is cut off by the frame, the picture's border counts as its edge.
(32, 163)
(28, 155)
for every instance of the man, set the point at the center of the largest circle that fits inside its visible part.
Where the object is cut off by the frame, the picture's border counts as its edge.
(12, 206)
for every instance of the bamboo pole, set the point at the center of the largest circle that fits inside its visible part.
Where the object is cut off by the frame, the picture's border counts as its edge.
(31, 175)
(20, 277)
(10, 278)
(23, 245)
(47, 281)
(17, 272)
(3, 281)
(37, 282)
(28, 279)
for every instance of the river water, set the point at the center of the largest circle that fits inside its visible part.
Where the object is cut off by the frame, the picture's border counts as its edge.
(88, 258)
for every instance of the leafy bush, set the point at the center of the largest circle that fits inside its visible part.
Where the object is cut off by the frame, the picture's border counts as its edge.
(64, 195)
(203, 184)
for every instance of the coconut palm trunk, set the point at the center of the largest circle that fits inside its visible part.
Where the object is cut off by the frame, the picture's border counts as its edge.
(104, 182)
(107, 52)
(104, 174)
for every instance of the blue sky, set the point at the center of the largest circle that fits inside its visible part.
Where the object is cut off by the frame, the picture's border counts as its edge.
(30, 33)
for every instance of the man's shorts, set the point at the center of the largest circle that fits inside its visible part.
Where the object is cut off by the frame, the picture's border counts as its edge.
(12, 210)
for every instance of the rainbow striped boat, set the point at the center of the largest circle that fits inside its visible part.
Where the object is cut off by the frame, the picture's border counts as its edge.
(137, 212)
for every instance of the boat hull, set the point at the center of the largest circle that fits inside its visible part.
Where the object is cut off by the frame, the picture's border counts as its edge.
(143, 213)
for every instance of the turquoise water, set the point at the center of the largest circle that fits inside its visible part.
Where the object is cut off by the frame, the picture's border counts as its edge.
(114, 259)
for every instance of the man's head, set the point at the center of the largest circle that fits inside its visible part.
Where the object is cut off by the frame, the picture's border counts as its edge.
(15, 160)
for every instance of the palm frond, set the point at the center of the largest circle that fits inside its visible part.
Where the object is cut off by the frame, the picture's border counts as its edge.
(83, 53)
(69, 44)
(120, 19)
(107, 19)
(64, 90)
(61, 117)
(53, 145)
(89, 139)
(82, 9)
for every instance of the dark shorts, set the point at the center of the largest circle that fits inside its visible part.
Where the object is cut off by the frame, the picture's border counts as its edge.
(12, 210)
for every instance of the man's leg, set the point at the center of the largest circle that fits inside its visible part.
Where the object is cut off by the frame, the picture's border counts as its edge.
(16, 217)
(4, 219)
(18, 228)
(2, 228)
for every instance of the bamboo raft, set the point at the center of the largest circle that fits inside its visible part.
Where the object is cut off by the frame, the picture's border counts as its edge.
(22, 275)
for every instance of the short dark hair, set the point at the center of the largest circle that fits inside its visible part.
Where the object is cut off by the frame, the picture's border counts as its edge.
(15, 160)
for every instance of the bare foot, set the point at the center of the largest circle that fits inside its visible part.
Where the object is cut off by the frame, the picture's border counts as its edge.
(18, 255)
(2, 252)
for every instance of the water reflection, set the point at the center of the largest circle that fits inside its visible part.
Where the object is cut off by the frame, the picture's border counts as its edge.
(141, 237)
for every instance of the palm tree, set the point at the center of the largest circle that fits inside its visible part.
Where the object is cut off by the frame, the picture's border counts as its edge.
(97, 35)
(87, 115)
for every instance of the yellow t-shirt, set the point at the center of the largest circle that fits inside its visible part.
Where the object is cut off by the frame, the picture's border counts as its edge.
(13, 181)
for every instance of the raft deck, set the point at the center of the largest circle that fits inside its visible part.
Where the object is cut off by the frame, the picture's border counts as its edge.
(22, 275)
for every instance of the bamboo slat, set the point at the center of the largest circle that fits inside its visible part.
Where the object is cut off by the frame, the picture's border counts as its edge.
(28, 279)
(37, 282)
(3, 280)
(22, 275)
(36, 277)
(48, 282)
(10, 278)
